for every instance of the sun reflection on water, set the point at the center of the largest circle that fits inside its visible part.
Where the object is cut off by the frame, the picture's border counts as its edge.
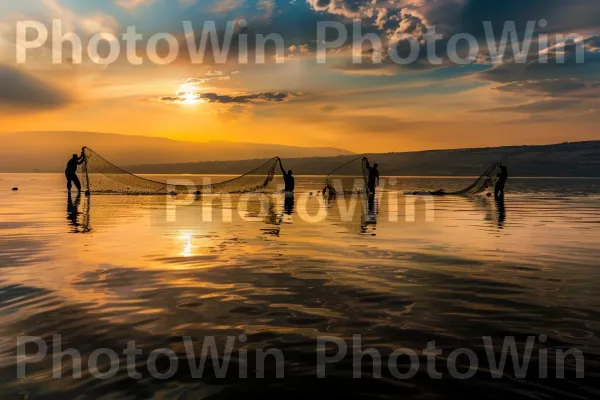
(187, 250)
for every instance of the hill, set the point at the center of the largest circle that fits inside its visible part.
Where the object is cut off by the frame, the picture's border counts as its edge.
(580, 159)
(49, 151)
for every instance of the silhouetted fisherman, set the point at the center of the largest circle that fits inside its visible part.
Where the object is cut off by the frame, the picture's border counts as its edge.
(71, 171)
(290, 182)
(502, 178)
(373, 177)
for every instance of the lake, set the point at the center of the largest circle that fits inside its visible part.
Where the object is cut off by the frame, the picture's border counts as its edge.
(304, 285)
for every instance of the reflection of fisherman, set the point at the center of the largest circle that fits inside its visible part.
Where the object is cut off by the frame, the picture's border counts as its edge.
(501, 212)
(73, 210)
(288, 205)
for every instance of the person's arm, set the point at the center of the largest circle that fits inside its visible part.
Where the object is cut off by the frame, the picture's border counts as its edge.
(81, 158)
(367, 161)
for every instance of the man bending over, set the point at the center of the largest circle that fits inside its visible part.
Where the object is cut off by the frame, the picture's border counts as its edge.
(71, 171)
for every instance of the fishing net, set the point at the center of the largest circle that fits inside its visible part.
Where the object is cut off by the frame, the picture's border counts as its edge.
(101, 176)
(349, 178)
(486, 181)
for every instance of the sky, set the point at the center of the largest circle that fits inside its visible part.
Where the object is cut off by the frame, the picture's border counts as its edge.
(292, 98)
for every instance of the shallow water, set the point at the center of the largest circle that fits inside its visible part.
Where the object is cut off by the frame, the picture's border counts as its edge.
(107, 270)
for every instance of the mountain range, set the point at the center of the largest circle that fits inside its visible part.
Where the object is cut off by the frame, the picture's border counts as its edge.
(50, 151)
(577, 159)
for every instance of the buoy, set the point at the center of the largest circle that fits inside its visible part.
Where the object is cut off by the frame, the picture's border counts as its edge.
(15, 189)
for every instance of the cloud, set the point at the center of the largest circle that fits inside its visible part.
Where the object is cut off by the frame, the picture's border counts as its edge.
(243, 99)
(347, 8)
(303, 48)
(383, 69)
(398, 20)
(97, 22)
(268, 7)
(561, 15)
(554, 78)
(277, 97)
(133, 4)
(541, 106)
(24, 92)
(223, 6)
(546, 86)
(212, 76)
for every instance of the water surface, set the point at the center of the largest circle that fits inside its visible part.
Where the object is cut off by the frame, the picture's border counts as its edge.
(111, 269)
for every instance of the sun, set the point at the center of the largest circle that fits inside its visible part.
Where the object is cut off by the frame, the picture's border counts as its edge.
(190, 98)
(189, 94)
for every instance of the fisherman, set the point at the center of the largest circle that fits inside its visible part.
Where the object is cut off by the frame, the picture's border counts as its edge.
(373, 177)
(71, 171)
(502, 178)
(288, 178)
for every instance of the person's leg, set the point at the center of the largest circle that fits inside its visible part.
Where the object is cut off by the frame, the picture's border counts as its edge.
(499, 191)
(77, 183)
(68, 182)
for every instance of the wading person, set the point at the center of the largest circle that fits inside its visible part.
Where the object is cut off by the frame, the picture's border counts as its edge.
(373, 178)
(71, 171)
(288, 178)
(502, 178)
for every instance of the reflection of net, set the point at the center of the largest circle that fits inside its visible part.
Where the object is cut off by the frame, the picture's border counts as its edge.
(101, 176)
(350, 178)
(486, 181)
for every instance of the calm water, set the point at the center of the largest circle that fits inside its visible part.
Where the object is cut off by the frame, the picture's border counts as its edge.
(113, 269)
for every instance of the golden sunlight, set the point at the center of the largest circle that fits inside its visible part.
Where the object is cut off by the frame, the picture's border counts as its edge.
(186, 238)
(189, 94)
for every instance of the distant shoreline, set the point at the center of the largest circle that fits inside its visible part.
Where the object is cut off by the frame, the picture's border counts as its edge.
(565, 160)
(577, 159)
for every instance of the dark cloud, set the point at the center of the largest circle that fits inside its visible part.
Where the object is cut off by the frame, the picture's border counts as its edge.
(561, 15)
(568, 78)
(394, 20)
(276, 97)
(243, 99)
(329, 108)
(24, 92)
(171, 99)
(542, 106)
(550, 86)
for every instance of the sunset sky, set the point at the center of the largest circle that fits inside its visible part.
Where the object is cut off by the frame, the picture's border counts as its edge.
(363, 108)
